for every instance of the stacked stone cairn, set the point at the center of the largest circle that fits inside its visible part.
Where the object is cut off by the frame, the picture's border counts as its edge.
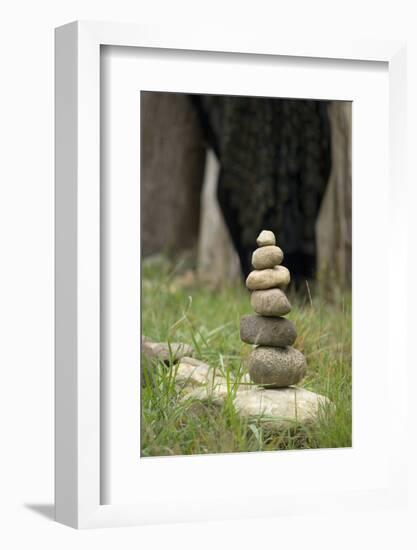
(273, 363)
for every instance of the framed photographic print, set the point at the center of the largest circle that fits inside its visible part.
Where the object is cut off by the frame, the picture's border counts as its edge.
(226, 211)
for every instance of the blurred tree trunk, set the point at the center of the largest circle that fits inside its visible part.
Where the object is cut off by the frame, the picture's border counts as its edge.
(218, 261)
(172, 168)
(334, 223)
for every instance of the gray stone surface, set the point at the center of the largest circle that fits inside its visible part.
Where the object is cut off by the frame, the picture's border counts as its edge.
(276, 367)
(267, 256)
(266, 238)
(267, 331)
(261, 279)
(271, 302)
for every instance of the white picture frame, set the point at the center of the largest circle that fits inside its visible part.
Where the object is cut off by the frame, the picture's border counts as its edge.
(79, 409)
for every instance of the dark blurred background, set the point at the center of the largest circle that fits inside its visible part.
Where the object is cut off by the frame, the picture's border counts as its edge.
(216, 170)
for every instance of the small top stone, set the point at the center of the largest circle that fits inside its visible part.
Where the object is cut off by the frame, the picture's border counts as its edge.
(265, 238)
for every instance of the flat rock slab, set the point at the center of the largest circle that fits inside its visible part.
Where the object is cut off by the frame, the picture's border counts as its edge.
(281, 408)
(216, 392)
(192, 372)
(276, 409)
(165, 352)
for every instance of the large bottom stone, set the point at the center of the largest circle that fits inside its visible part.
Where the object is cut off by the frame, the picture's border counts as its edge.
(276, 367)
(276, 409)
(267, 331)
(281, 408)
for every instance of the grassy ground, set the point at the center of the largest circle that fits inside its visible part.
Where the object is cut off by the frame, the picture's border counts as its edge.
(209, 320)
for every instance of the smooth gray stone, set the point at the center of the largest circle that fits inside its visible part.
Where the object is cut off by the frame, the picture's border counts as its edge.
(276, 367)
(270, 303)
(267, 331)
(267, 256)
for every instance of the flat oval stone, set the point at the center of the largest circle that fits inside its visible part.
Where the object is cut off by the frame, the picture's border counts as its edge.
(261, 279)
(267, 331)
(267, 256)
(265, 238)
(271, 302)
(276, 409)
(276, 367)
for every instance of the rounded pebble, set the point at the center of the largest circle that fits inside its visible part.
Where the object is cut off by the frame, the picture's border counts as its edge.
(276, 367)
(267, 331)
(271, 302)
(265, 238)
(267, 256)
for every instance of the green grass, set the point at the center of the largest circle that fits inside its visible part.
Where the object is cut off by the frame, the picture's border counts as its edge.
(209, 320)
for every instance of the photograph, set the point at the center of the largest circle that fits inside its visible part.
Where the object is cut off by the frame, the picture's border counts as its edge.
(246, 247)
(208, 270)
